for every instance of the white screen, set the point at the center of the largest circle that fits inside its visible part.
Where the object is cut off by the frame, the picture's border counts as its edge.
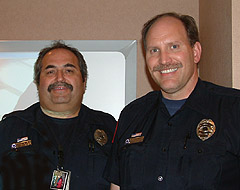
(105, 85)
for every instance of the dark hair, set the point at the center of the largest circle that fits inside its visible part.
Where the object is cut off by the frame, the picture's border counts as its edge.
(188, 22)
(57, 45)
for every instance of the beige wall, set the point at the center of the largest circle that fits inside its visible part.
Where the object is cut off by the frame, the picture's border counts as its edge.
(87, 20)
(215, 25)
(235, 44)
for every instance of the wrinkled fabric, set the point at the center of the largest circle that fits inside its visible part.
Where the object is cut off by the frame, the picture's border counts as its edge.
(31, 167)
(171, 155)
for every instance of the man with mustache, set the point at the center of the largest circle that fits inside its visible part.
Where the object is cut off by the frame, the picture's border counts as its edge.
(185, 136)
(58, 143)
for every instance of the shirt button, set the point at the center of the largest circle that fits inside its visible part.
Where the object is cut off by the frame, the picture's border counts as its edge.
(200, 151)
(169, 124)
(160, 178)
(164, 149)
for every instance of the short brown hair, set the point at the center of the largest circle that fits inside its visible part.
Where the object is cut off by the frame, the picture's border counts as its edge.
(188, 22)
(57, 45)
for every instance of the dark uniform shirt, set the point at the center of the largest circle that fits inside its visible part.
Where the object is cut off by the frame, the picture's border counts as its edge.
(31, 167)
(153, 150)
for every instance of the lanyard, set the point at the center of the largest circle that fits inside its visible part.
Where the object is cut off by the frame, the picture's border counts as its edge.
(60, 145)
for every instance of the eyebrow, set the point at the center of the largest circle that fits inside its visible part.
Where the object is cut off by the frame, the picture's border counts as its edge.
(70, 65)
(66, 65)
(175, 42)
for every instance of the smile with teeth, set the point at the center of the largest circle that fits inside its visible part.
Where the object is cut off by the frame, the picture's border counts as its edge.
(169, 70)
(60, 88)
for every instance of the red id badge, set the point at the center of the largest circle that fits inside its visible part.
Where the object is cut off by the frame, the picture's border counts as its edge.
(60, 179)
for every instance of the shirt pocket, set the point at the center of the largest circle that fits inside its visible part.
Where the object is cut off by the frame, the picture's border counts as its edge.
(27, 151)
(131, 166)
(201, 164)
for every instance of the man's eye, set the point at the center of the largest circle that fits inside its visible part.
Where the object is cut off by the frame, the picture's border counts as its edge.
(175, 46)
(50, 72)
(154, 50)
(69, 71)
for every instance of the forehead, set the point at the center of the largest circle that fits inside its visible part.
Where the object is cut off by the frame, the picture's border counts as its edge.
(59, 56)
(167, 27)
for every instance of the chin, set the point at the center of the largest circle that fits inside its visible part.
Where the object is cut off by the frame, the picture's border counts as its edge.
(169, 88)
(61, 100)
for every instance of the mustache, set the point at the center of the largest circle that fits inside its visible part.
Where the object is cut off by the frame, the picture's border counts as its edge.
(56, 84)
(167, 66)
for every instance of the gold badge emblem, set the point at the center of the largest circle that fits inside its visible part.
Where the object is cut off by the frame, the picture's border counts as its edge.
(205, 129)
(100, 136)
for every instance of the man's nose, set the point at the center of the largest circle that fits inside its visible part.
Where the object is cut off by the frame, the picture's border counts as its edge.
(165, 57)
(60, 75)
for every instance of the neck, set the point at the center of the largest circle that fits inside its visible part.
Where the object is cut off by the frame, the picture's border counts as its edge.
(55, 114)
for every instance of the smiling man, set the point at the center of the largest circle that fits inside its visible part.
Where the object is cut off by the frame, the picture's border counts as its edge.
(185, 136)
(58, 143)
(61, 85)
(171, 59)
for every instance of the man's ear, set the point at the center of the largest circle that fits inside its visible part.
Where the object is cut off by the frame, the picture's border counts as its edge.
(85, 85)
(197, 51)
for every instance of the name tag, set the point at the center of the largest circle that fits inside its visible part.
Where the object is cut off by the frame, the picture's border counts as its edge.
(21, 144)
(134, 140)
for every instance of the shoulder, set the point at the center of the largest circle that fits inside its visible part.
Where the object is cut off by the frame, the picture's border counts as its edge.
(26, 115)
(208, 97)
(148, 99)
(15, 124)
(141, 104)
(97, 115)
(99, 118)
(137, 111)
(218, 90)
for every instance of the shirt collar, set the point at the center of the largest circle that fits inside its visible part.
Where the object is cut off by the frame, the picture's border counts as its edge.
(198, 99)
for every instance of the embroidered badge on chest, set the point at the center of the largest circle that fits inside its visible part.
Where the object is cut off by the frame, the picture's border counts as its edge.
(100, 136)
(205, 129)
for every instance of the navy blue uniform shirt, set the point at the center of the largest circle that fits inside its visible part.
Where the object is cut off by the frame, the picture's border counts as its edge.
(31, 167)
(153, 150)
